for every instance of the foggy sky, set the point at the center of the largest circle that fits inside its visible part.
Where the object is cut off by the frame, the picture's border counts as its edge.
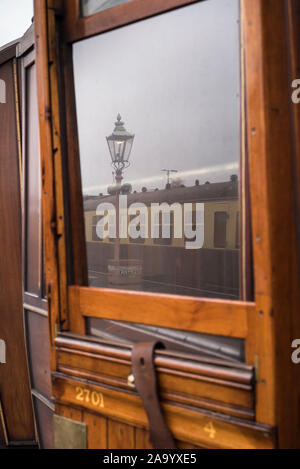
(15, 19)
(175, 80)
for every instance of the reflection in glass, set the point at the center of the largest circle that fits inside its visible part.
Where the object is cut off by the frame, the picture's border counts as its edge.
(90, 7)
(165, 220)
(192, 343)
(33, 190)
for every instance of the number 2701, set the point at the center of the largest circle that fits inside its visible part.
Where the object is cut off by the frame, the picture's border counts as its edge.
(86, 395)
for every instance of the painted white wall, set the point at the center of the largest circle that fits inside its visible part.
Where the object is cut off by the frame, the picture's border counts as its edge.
(15, 18)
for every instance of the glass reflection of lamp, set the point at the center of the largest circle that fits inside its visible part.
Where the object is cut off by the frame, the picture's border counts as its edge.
(119, 144)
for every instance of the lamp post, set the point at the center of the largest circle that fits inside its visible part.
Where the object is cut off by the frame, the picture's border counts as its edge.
(119, 144)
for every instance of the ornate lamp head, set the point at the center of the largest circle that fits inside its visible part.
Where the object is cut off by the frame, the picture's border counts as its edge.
(120, 144)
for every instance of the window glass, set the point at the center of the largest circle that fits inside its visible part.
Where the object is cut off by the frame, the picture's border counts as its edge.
(191, 343)
(90, 7)
(220, 226)
(158, 109)
(33, 219)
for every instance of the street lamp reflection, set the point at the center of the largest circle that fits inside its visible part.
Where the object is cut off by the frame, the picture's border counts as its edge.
(121, 271)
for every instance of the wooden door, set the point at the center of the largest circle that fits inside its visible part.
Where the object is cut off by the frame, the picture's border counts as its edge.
(17, 426)
(222, 104)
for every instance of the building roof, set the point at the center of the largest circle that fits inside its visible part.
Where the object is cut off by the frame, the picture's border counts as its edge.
(218, 191)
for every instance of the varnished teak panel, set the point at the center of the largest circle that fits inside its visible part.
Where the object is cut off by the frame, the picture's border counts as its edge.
(187, 424)
(227, 318)
(14, 381)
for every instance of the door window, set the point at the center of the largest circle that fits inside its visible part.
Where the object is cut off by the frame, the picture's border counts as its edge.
(158, 109)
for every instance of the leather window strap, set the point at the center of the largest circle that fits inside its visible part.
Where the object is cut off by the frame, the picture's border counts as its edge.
(145, 380)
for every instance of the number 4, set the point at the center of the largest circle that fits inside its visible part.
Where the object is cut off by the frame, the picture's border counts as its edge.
(210, 429)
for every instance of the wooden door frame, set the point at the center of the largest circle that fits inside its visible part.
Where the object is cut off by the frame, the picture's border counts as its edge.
(266, 323)
(34, 302)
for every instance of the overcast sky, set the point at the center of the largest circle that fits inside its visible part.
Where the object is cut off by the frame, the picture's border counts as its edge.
(175, 80)
(15, 18)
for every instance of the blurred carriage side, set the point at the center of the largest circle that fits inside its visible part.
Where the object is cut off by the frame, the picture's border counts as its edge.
(167, 266)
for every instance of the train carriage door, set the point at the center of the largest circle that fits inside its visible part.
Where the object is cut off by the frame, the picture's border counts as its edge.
(17, 426)
(161, 155)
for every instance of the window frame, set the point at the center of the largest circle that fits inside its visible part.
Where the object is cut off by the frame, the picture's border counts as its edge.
(230, 321)
(79, 27)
